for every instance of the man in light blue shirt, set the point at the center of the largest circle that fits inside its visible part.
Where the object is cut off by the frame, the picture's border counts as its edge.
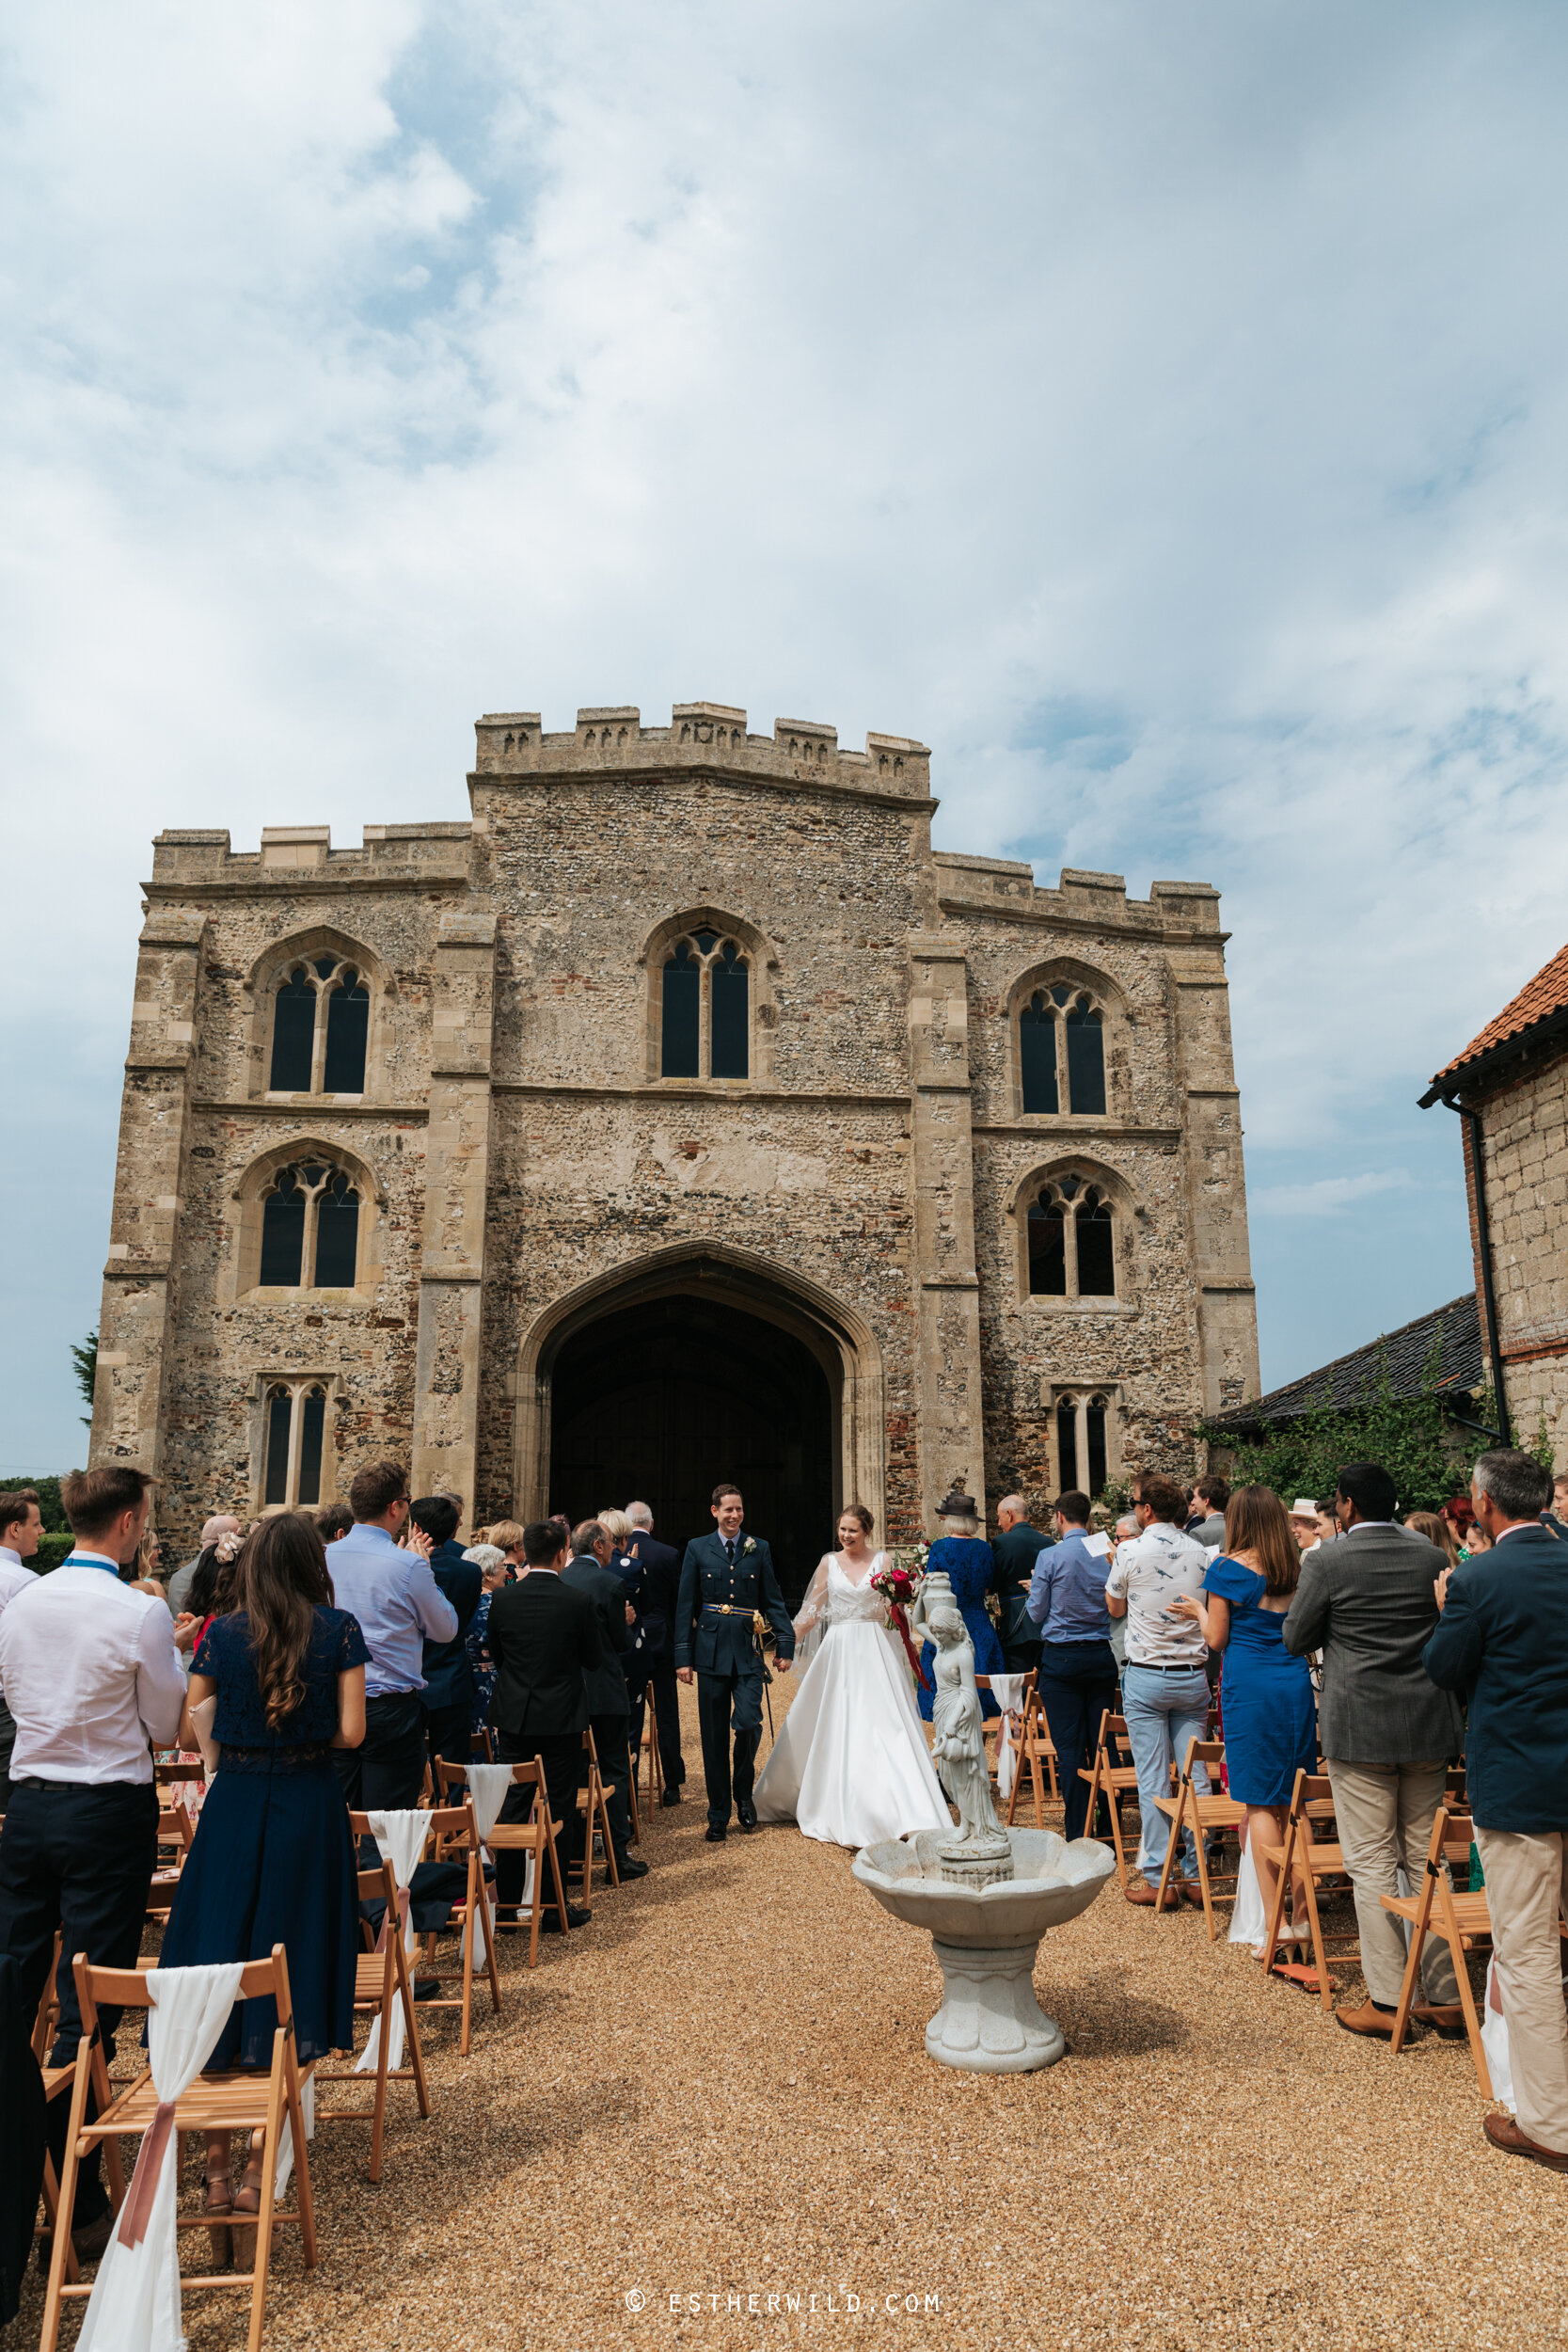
(398, 1602)
(1078, 1672)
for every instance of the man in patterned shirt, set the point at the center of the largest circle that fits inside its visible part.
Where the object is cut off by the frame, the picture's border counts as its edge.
(1164, 1690)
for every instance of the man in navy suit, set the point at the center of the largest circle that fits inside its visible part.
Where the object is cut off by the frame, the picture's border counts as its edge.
(448, 1678)
(726, 1578)
(1502, 1643)
(653, 1660)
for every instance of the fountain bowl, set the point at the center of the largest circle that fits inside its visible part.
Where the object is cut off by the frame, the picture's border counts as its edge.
(985, 1940)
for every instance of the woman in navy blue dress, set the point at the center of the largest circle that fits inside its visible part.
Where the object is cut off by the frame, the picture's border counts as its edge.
(272, 1861)
(1270, 1720)
(970, 1566)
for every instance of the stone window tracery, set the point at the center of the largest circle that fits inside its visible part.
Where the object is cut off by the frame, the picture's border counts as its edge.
(294, 1442)
(320, 1028)
(705, 1008)
(1071, 1236)
(1083, 1427)
(1061, 1045)
(310, 1220)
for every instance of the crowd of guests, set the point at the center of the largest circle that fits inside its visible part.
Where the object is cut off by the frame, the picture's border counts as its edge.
(1389, 1647)
(329, 1661)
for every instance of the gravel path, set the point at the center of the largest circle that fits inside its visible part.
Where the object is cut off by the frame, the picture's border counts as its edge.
(719, 2091)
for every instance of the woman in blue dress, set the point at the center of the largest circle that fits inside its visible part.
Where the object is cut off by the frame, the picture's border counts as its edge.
(272, 1861)
(1271, 1721)
(970, 1566)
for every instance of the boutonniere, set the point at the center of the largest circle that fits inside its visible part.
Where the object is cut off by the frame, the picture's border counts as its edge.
(750, 1545)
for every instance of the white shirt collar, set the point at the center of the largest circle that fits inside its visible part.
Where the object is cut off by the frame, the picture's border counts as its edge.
(12, 1558)
(1521, 1527)
(1369, 1525)
(85, 1551)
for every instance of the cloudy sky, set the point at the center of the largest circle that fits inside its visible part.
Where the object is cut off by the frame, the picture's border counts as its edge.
(1158, 409)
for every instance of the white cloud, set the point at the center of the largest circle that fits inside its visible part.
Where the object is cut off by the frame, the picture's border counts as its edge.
(1330, 1196)
(1160, 412)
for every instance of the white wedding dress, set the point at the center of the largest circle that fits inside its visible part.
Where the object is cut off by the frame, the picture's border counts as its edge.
(850, 1764)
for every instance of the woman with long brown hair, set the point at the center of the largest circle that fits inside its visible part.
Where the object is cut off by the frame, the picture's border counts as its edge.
(272, 1861)
(1271, 1725)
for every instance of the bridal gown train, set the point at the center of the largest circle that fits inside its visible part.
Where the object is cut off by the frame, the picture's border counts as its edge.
(850, 1764)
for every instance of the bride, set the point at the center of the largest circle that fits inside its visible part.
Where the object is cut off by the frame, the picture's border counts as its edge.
(850, 1764)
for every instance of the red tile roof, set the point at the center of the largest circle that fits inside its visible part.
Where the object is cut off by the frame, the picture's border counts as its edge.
(1548, 993)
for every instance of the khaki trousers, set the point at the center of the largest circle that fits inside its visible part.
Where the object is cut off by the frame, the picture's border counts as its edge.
(1527, 1882)
(1385, 1813)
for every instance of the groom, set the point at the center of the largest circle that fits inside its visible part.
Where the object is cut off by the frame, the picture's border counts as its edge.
(724, 1577)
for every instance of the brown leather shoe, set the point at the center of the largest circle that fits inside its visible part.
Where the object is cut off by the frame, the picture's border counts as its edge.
(1139, 1891)
(1502, 2131)
(1447, 2022)
(1192, 1892)
(1369, 2018)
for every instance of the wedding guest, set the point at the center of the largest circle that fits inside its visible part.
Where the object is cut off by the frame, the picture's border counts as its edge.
(1367, 1601)
(333, 1522)
(272, 1861)
(1328, 1526)
(652, 1666)
(970, 1566)
(1078, 1668)
(491, 1562)
(1435, 1527)
(1502, 1645)
(1271, 1722)
(90, 1675)
(609, 1711)
(447, 1696)
(1017, 1547)
(389, 1590)
(1306, 1529)
(1210, 1495)
(179, 1583)
(1165, 1689)
(21, 1525)
(544, 1641)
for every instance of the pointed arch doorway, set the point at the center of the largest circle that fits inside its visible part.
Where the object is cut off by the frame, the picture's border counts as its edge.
(692, 1367)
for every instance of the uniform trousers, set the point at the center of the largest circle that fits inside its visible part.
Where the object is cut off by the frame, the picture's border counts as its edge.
(725, 1700)
(1527, 1879)
(561, 1754)
(79, 1858)
(385, 1772)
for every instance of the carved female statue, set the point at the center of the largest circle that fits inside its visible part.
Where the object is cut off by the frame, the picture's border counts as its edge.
(959, 1747)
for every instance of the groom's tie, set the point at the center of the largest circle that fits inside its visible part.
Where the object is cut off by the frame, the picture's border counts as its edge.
(729, 1547)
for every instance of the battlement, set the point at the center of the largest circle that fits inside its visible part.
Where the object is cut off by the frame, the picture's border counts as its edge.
(294, 857)
(982, 882)
(513, 744)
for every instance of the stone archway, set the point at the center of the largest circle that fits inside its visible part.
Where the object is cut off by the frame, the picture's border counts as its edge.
(695, 1365)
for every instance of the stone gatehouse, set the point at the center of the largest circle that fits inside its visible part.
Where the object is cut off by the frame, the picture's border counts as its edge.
(678, 1112)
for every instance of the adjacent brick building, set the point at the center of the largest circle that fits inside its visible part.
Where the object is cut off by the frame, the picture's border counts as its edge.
(680, 1113)
(1510, 1088)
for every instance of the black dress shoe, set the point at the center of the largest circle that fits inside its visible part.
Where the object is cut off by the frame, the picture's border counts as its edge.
(716, 1837)
(746, 1814)
(631, 1867)
(575, 1917)
(670, 1796)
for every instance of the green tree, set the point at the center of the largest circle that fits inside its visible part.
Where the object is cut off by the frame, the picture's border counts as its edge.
(84, 1360)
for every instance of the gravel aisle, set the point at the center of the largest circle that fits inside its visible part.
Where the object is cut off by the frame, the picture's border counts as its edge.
(718, 2090)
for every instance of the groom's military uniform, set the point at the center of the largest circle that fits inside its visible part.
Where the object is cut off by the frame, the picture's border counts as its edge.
(723, 1585)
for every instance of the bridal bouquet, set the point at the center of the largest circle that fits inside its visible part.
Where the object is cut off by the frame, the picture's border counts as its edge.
(899, 1587)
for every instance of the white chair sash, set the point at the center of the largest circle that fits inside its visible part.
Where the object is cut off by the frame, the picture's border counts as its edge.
(400, 1837)
(136, 2296)
(488, 1785)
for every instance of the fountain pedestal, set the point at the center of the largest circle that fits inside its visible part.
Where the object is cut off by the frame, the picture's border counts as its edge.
(990, 2021)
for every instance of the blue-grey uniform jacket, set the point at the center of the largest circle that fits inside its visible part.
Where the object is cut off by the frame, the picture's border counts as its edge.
(713, 1614)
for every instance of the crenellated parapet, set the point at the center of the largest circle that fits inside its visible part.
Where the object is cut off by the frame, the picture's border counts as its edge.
(700, 736)
(301, 858)
(1172, 909)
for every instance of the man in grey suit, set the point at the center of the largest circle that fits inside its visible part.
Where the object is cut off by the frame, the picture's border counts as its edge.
(1367, 1600)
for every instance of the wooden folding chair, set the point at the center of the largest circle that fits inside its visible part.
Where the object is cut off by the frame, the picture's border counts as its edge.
(1034, 1752)
(56, 2082)
(596, 1815)
(1318, 1858)
(1463, 1920)
(650, 1749)
(482, 1747)
(1114, 1781)
(1190, 1808)
(472, 1914)
(245, 2100)
(536, 1836)
(381, 1979)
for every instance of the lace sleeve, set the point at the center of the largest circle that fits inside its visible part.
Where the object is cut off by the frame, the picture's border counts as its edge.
(808, 1624)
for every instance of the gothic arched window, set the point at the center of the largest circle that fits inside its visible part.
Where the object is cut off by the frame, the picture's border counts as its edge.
(295, 1431)
(1071, 1230)
(1061, 1052)
(309, 1218)
(1083, 1443)
(320, 1023)
(706, 1025)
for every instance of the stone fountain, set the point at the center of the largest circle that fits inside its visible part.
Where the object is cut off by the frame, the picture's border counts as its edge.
(984, 1894)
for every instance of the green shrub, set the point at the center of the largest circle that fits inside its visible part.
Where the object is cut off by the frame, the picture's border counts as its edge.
(52, 1550)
